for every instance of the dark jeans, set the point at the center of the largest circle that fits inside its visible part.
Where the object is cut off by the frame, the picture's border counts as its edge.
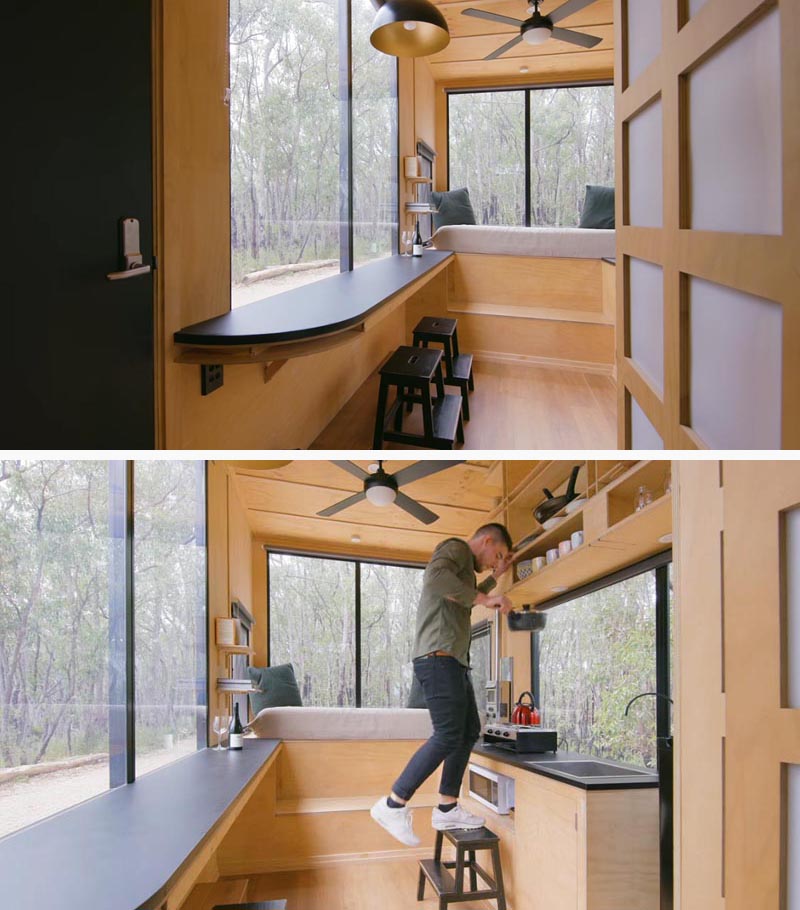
(456, 726)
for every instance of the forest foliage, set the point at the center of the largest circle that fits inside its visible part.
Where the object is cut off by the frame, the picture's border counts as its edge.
(61, 585)
(572, 145)
(286, 116)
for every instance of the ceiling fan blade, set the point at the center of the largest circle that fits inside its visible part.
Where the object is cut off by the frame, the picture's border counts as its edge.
(351, 468)
(345, 503)
(506, 47)
(492, 17)
(422, 469)
(567, 34)
(415, 509)
(568, 9)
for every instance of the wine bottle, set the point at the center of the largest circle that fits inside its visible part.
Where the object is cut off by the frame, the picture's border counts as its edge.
(416, 242)
(236, 731)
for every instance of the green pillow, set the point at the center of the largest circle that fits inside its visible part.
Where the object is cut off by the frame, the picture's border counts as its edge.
(277, 687)
(453, 207)
(598, 207)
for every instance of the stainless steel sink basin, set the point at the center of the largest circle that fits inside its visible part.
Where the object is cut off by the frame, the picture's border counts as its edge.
(589, 769)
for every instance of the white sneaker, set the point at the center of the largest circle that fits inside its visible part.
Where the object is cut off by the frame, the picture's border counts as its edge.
(455, 818)
(396, 821)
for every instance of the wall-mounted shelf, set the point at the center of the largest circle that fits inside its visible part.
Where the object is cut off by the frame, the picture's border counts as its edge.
(235, 649)
(615, 534)
(418, 180)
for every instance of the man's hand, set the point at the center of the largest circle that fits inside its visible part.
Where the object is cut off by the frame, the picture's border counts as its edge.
(498, 602)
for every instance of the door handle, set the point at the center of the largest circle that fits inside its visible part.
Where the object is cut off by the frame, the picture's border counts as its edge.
(131, 255)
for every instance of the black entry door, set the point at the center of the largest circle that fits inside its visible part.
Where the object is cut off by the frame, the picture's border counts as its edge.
(77, 159)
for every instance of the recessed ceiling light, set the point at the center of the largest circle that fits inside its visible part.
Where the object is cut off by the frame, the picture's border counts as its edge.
(559, 589)
(523, 69)
(665, 538)
(356, 538)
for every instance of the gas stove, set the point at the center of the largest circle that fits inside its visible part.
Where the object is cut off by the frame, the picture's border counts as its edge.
(520, 737)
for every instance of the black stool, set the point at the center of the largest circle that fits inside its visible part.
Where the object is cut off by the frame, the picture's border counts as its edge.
(412, 370)
(457, 366)
(449, 888)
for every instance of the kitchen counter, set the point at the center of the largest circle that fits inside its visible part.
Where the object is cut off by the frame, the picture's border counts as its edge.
(547, 764)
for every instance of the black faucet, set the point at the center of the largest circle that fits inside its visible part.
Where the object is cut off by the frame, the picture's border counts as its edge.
(642, 695)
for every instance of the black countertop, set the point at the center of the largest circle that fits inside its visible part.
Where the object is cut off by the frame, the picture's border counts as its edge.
(547, 763)
(122, 849)
(316, 309)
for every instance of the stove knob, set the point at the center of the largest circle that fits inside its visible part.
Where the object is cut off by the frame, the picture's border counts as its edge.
(506, 733)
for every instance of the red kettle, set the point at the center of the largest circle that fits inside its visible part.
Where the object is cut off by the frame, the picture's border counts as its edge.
(526, 715)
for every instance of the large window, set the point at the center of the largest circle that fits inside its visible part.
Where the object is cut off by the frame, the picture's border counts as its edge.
(313, 143)
(347, 627)
(597, 652)
(73, 535)
(526, 155)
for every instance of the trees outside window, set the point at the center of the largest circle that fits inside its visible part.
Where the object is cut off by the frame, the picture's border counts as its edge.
(347, 628)
(67, 562)
(596, 653)
(292, 176)
(570, 144)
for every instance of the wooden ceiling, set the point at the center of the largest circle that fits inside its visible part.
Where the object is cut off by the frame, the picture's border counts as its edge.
(472, 39)
(282, 504)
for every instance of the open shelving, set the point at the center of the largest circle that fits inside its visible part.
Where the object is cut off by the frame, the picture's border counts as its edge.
(615, 534)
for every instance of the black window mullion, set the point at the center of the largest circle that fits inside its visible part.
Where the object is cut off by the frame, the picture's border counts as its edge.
(345, 137)
(120, 645)
(527, 158)
(358, 633)
(662, 651)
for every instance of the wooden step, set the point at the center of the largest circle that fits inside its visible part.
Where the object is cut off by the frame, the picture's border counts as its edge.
(462, 367)
(207, 895)
(446, 412)
(444, 884)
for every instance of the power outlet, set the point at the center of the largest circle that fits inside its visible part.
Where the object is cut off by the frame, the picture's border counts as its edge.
(210, 377)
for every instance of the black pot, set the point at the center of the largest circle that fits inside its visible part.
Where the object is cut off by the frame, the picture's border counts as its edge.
(526, 621)
(552, 505)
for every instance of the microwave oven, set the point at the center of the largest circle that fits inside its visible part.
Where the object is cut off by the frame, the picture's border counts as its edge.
(491, 789)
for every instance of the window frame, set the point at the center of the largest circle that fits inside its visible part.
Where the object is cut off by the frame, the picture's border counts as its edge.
(527, 89)
(660, 565)
(357, 561)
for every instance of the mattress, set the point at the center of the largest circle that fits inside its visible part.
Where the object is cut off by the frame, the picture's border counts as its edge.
(342, 723)
(568, 243)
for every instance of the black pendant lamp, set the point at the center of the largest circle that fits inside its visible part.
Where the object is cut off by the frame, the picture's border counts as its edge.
(409, 28)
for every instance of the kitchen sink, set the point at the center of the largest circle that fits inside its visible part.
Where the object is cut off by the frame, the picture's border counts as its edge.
(589, 769)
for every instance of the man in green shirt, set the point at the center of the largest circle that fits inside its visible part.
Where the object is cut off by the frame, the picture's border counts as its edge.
(441, 664)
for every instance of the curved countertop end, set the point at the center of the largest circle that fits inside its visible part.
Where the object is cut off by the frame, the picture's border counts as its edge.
(123, 849)
(530, 761)
(317, 309)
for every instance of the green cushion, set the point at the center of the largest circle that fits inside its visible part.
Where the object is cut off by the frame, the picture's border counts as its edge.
(277, 687)
(453, 207)
(598, 207)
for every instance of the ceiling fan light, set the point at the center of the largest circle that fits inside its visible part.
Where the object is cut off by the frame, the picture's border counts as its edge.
(409, 28)
(380, 495)
(536, 35)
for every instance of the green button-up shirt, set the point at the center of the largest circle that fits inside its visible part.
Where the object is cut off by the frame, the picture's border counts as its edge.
(449, 590)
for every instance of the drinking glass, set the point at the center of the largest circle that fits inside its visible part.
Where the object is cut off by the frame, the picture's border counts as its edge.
(406, 237)
(644, 497)
(221, 722)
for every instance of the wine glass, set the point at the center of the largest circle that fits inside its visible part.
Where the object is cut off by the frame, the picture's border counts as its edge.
(406, 239)
(221, 722)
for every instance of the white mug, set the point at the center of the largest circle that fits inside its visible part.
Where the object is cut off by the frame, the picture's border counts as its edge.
(552, 555)
(576, 539)
(564, 547)
(538, 562)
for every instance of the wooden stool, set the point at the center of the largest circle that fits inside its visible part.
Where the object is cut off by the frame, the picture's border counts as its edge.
(412, 370)
(449, 888)
(457, 366)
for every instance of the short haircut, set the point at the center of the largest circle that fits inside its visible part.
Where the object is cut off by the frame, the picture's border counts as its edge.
(497, 532)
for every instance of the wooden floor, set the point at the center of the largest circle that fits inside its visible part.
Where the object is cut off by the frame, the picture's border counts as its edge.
(351, 886)
(514, 406)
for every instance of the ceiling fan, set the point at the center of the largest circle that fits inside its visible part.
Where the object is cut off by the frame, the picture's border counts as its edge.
(539, 28)
(381, 489)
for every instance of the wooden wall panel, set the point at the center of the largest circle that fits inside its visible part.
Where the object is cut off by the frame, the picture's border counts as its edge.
(760, 265)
